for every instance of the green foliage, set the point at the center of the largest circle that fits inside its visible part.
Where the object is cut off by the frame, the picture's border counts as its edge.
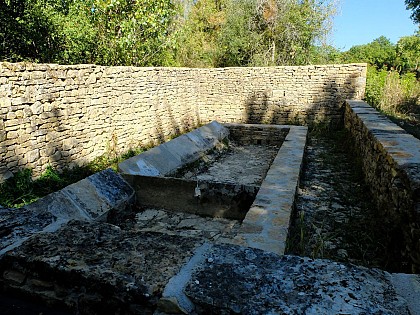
(408, 53)
(414, 5)
(391, 92)
(325, 54)
(380, 53)
(271, 32)
(196, 36)
(108, 32)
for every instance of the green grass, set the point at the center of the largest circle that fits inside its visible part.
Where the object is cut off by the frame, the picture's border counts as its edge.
(21, 189)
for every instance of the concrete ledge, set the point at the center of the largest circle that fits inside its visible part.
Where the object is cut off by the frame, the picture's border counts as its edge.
(93, 198)
(391, 163)
(168, 157)
(266, 224)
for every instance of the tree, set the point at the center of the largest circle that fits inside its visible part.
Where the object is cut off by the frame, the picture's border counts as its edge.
(414, 5)
(380, 52)
(27, 31)
(107, 32)
(272, 32)
(408, 53)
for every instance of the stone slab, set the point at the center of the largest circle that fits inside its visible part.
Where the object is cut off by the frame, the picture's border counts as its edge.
(96, 267)
(238, 280)
(166, 158)
(266, 224)
(98, 194)
(183, 149)
(93, 198)
(408, 286)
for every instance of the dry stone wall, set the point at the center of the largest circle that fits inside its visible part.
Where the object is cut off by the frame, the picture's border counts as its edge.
(391, 164)
(62, 115)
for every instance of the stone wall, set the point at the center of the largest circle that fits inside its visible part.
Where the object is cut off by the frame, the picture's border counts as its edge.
(391, 163)
(59, 115)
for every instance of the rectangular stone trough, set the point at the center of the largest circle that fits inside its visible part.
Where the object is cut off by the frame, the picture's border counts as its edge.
(264, 208)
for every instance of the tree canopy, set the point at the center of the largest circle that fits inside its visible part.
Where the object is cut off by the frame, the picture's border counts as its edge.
(414, 5)
(163, 32)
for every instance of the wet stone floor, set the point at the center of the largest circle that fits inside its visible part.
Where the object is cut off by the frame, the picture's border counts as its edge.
(335, 217)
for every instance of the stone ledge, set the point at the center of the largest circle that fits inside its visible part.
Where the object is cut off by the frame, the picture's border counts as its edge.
(168, 157)
(95, 268)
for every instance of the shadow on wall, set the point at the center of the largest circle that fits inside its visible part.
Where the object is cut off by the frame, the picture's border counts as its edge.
(167, 126)
(40, 140)
(323, 105)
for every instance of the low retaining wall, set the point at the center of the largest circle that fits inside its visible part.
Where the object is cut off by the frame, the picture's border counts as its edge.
(391, 162)
(58, 115)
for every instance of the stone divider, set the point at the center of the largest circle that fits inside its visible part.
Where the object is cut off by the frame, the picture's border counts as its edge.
(171, 156)
(391, 163)
(266, 225)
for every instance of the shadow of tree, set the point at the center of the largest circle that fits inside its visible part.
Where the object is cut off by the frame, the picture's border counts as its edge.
(322, 106)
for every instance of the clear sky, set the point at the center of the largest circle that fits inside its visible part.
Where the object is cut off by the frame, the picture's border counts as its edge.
(361, 21)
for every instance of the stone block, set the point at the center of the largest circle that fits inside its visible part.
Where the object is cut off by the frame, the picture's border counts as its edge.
(234, 279)
(102, 266)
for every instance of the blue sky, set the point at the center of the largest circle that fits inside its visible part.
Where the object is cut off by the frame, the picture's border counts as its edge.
(361, 21)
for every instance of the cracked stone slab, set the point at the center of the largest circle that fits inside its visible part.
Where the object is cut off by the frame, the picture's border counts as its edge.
(96, 267)
(234, 279)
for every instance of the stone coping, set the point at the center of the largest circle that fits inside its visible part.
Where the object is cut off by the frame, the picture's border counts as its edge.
(91, 199)
(170, 156)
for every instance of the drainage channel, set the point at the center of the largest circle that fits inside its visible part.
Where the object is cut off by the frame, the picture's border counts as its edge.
(335, 216)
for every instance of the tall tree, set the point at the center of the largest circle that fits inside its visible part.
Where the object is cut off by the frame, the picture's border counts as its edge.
(414, 5)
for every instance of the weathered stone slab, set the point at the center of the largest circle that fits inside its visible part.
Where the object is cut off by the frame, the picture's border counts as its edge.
(183, 149)
(98, 194)
(408, 286)
(166, 158)
(96, 267)
(92, 198)
(213, 133)
(266, 224)
(238, 280)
